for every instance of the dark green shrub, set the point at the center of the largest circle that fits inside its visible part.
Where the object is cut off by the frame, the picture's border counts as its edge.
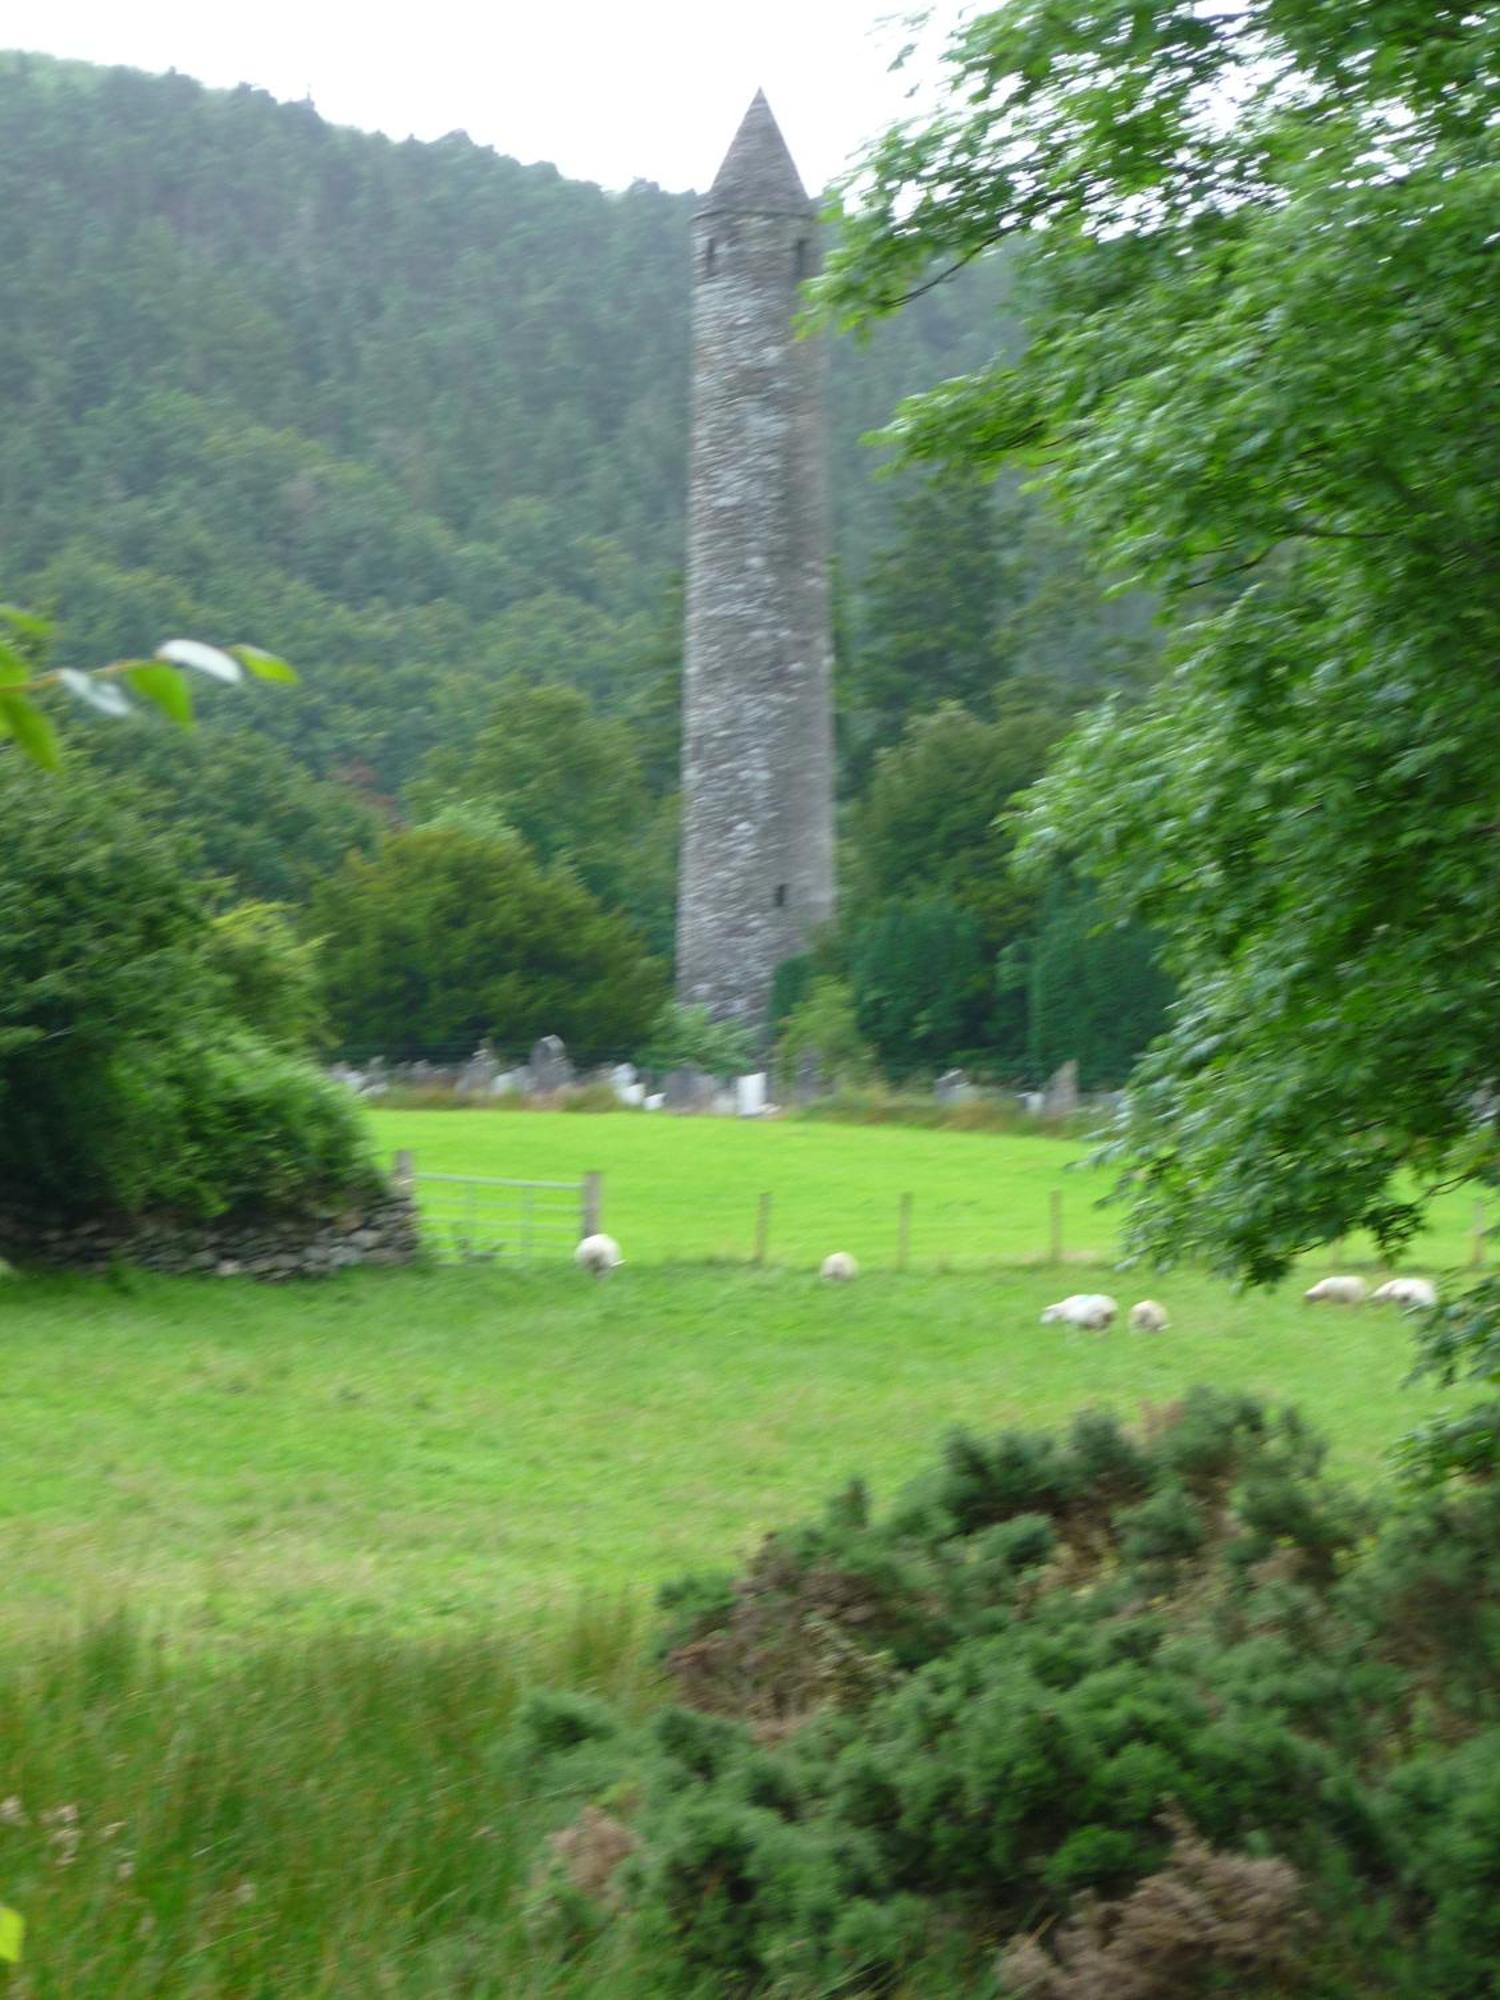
(1178, 1671)
(550, 1725)
(1165, 1528)
(923, 984)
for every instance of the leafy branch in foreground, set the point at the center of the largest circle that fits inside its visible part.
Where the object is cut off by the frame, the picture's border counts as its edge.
(162, 682)
(1258, 247)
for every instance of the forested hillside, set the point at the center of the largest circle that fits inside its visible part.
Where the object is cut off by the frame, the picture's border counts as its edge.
(415, 417)
(414, 414)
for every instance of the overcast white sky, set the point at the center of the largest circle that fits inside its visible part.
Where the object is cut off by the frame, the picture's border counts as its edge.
(609, 90)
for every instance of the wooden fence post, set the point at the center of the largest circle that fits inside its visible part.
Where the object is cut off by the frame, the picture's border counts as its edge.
(591, 1219)
(1055, 1205)
(903, 1232)
(1476, 1248)
(403, 1171)
(762, 1228)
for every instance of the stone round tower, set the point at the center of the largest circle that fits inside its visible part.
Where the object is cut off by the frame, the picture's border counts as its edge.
(757, 841)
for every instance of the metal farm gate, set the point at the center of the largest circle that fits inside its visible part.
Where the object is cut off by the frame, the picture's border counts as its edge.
(467, 1219)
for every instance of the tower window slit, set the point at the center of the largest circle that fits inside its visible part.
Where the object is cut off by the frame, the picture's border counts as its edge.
(781, 895)
(710, 257)
(803, 258)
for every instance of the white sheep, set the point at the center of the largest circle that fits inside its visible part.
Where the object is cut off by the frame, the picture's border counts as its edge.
(598, 1254)
(1149, 1317)
(840, 1268)
(1337, 1292)
(1091, 1310)
(1416, 1294)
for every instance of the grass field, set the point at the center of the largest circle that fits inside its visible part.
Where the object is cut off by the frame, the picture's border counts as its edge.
(686, 1188)
(403, 1450)
(279, 1563)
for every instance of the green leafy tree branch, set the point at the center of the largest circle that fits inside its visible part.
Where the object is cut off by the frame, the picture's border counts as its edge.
(162, 682)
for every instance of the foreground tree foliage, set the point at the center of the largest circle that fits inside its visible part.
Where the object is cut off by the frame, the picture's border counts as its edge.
(1160, 1712)
(1261, 373)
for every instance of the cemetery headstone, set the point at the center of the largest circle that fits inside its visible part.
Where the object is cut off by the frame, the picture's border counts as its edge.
(1062, 1091)
(750, 1095)
(550, 1068)
(687, 1089)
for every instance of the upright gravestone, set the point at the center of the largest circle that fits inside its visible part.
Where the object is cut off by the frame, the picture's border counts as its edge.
(687, 1089)
(550, 1069)
(1062, 1092)
(952, 1087)
(750, 1094)
(477, 1077)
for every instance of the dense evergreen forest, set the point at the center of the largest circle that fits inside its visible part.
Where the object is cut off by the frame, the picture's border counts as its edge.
(415, 417)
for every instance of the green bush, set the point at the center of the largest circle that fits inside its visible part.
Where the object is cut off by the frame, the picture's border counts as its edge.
(127, 1081)
(1178, 1670)
(238, 1124)
(822, 1029)
(455, 932)
(272, 976)
(685, 1036)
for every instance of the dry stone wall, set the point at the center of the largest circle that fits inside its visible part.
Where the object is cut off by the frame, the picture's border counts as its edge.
(383, 1231)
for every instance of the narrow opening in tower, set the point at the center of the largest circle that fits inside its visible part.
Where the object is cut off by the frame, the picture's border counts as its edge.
(804, 257)
(710, 257)
(781, 895)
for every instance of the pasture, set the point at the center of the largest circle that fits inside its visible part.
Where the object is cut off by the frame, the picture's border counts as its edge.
(684, 1190)
(280, 1562)
(409, 1451)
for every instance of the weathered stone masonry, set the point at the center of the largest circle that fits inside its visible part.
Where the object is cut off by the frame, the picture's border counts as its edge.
(757, 854)
(381, 1230)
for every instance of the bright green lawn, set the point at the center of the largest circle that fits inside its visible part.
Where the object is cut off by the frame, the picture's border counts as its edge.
(687, 1188)
(408, 1449)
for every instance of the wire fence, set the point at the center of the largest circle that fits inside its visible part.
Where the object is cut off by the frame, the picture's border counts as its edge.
(473, 1219)
(467, 1218)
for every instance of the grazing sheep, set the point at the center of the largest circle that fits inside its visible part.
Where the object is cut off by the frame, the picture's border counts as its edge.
(840, 1268)
(1091, 1310)
(1149, 1317)
(599, 1254)
(1337, 1292)
(1416, 1294)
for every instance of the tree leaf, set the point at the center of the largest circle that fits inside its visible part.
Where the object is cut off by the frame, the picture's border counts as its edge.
(266, 666)
(27, 624)
(105, 696)
(15, 670)
(219, 666)
(165, 687)
(29, 632)
(35, 737)
(12, 1935)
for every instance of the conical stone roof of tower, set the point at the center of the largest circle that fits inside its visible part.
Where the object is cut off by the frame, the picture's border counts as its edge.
(758, 176)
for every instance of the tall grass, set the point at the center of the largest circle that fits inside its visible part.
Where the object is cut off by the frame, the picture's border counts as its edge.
(332, 1816)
